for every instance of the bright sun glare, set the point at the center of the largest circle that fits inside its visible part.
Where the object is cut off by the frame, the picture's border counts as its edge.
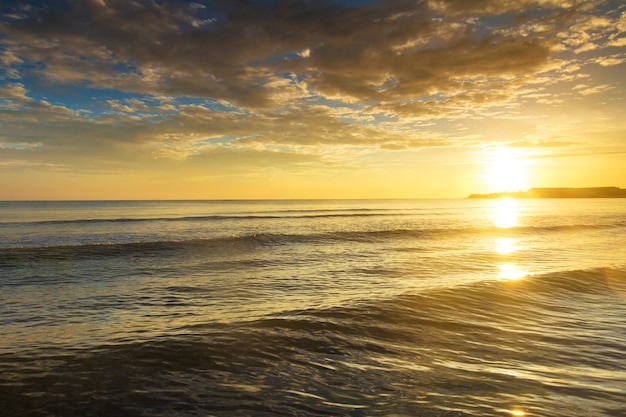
(507, 171)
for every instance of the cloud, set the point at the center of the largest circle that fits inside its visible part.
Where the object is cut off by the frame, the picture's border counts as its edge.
(586, 90)
(382, 51)
(11, 92)
(607, 61)
(590, 32)
(267, 83)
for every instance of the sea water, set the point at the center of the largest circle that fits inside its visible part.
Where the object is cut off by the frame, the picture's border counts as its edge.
(297, 308)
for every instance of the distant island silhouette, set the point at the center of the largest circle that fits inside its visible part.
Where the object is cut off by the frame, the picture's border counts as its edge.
(586, 192)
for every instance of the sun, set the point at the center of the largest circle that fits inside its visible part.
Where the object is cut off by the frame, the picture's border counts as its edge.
(507, 171)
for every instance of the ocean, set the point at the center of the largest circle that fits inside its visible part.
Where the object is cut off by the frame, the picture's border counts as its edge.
(302, 308)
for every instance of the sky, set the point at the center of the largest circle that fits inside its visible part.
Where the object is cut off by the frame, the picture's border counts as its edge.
(245, 99)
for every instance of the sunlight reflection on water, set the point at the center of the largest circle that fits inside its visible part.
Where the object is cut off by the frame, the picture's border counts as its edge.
(511, 272)
(506, 212)
(505, 215)
(506, 245)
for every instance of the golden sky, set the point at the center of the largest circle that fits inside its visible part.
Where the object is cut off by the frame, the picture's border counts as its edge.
(229, 99)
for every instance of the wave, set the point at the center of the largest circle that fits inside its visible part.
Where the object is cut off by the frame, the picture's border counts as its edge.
(245, 241)
(551, 287)
(12, 257)
(139, 243)
(481, 348)
(219, 217)
(277, 215)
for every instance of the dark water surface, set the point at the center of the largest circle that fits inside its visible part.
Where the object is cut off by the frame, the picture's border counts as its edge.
(357, 308)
